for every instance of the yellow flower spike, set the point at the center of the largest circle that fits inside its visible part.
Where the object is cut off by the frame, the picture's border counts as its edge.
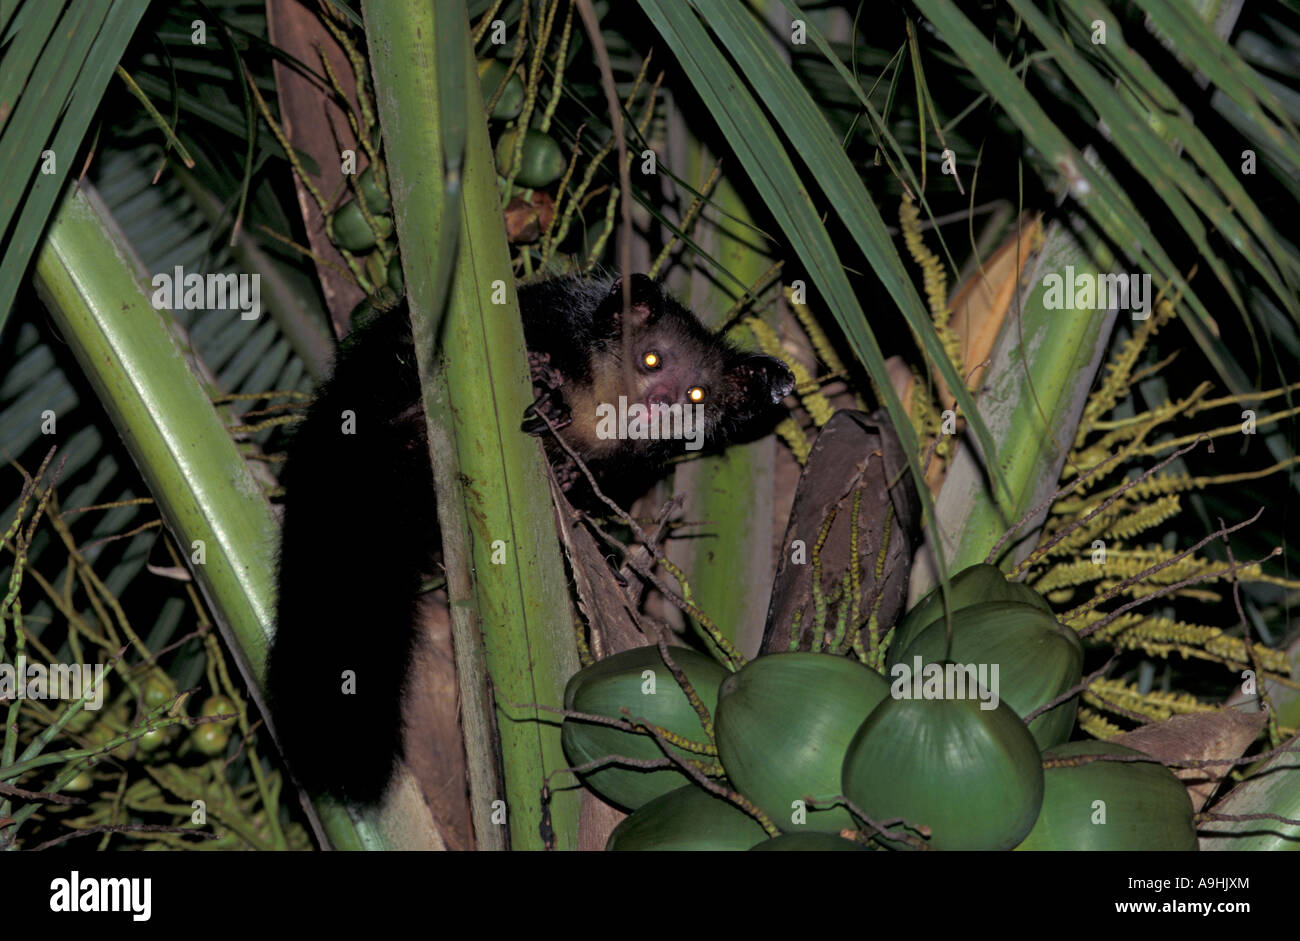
(793, 436)
(1097, 725)
(934, 280)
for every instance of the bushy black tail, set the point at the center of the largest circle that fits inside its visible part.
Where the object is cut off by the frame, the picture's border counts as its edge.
(360, 529)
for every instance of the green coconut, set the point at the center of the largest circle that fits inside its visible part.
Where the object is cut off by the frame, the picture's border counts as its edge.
(973, 585)
(972, 775)
(639, 680)
(373, 186)
(353, 232)
(1110, 805)
(688, 818)
(541, 164)
(491, 73)
(784, 723)
(1036, 656)
(812, 842)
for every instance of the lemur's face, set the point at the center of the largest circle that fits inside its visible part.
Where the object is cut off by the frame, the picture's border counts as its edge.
(675, 360)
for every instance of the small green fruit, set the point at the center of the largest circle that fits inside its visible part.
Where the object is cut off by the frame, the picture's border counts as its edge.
(491, 73)
(156, 692)
(784, 723)
(152, 740)
(395, 279)
(220, 705)
(82, 782)
(689, 818)
(372, 184)
(351, 231)
(541, 164)
(102, 733)
(639, 680)
(1110, 805)
(1037, 659)
(210, 739)
(971, 775)
(973, 585)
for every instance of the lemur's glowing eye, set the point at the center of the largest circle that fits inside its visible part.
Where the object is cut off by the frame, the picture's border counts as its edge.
(652, 360)
(695, 394)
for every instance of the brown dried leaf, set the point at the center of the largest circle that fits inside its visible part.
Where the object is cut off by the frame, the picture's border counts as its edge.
(1198, 737)
(317, 126)
(981, 304)
(854, 451)
(979, 308)
(614, 624)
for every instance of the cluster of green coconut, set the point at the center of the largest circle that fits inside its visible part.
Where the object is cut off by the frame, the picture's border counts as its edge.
(824, 747)
(542, 162)
(354, 232)
(98, 729)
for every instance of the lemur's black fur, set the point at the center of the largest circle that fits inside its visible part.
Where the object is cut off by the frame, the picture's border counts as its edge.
(360, 525)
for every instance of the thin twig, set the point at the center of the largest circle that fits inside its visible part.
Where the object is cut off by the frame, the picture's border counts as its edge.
(1075, 690)
(1109, 501)
(1056, 495)
(1261, 689)
(125, 828)
(592, 25)
(1147, 573)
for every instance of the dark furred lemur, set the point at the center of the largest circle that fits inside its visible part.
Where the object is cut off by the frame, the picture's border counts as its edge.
(360, 524)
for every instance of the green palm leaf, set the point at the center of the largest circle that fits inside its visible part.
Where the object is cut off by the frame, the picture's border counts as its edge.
(58, 59)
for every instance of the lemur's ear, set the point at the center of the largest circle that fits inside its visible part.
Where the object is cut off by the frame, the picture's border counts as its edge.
(647, 301)
(762, 378)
